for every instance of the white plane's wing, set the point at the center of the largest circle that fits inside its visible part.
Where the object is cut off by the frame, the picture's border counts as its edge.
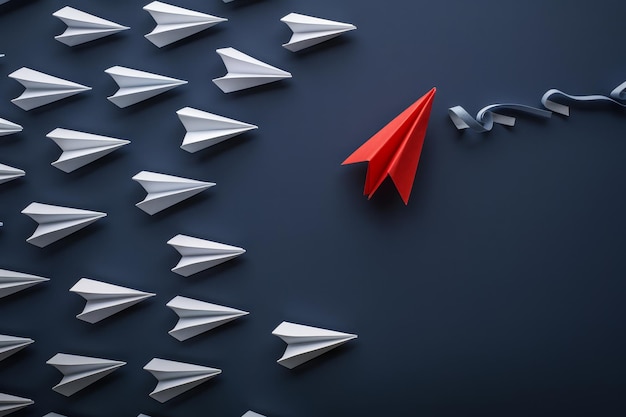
(11, 403)
(136, 86)
(309, 31)
(80, 371)
(12, 282)
(206, 129)
(305, 342)
(79, 148)
(56, 222)
(166, 190)
(8, 173)
(11, 344)
(42, 89)
(175, 23)
(174, 378)
(245, 71)
(8, 128)
(104, 300)
(83, 27)
(199, 254)
(197, 317)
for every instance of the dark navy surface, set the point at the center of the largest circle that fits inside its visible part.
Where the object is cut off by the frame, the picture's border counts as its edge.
(499, 290)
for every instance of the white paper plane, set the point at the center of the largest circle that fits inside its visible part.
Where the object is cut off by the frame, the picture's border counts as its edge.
(42, 89)
(252, 414)
(80, 371)
(175, 23)
(174, 378)
(11, 344)
(197, 317)
(245, 71)
(56, 222)
(83, 27)
(136, 86)
(8, 173)
(305, 342)
(79, 148)
(309, 31)
(12, 282)
(11, 403)
(104, 300)
(166, 190)
(199, 254)
(206, 129)
(8, 128)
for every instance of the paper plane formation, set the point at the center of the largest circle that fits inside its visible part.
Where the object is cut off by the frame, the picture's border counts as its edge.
(8, 173)
(104, 300)
(199, 254)
(305, 342)
(395, 150)
(42, 89)
(206, 129)
(11, 403)
(136, 86)
(11, 344)
(83, 27)
(175, 23)
(166, 190)
(174, 378)
(197, 317)
(12, 282)
(8, 128)
(57, 222)
(80, 371)
(80, 149)
(245, 71)
(309, 31)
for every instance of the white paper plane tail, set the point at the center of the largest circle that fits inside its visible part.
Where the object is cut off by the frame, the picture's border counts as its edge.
(104, 300)
(309, 31)
(174, 378)
(42, 89)
(10, 345)
(305, 342)
(8, 128)
(80, 149)
(57, 222)
(166, 190)
(8, 173)
(136, 86)
(199, 254)
(206, 129)
(12, 282)
(11, 403)
(243, 71)
(197, 317)
(83, 27)
(80, 371)
(175, 23)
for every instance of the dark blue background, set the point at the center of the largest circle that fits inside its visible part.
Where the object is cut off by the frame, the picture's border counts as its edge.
(498, 291)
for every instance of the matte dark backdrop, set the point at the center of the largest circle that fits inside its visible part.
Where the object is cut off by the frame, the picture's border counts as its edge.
(499, 290)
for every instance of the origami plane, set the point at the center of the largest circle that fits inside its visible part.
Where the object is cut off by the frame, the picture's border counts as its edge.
(8, 128)
(10, 345)
(207, 129)
(104, 300)
(166, 190)
(197, 317)
(305, 342)
(42, 89)
(395, 150)
(12, 282)
(309, 31)
(199, 254)
(8, 173)
(136, 86)
(245, 71)
(11, 403)
(80, 149)
(175, 23)
(83, 27)
(56, 222)
(80, 371)
(174, 378)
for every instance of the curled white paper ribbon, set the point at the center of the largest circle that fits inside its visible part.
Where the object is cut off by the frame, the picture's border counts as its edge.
(617, 96)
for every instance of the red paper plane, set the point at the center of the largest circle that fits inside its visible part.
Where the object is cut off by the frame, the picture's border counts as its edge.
(395, 150)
